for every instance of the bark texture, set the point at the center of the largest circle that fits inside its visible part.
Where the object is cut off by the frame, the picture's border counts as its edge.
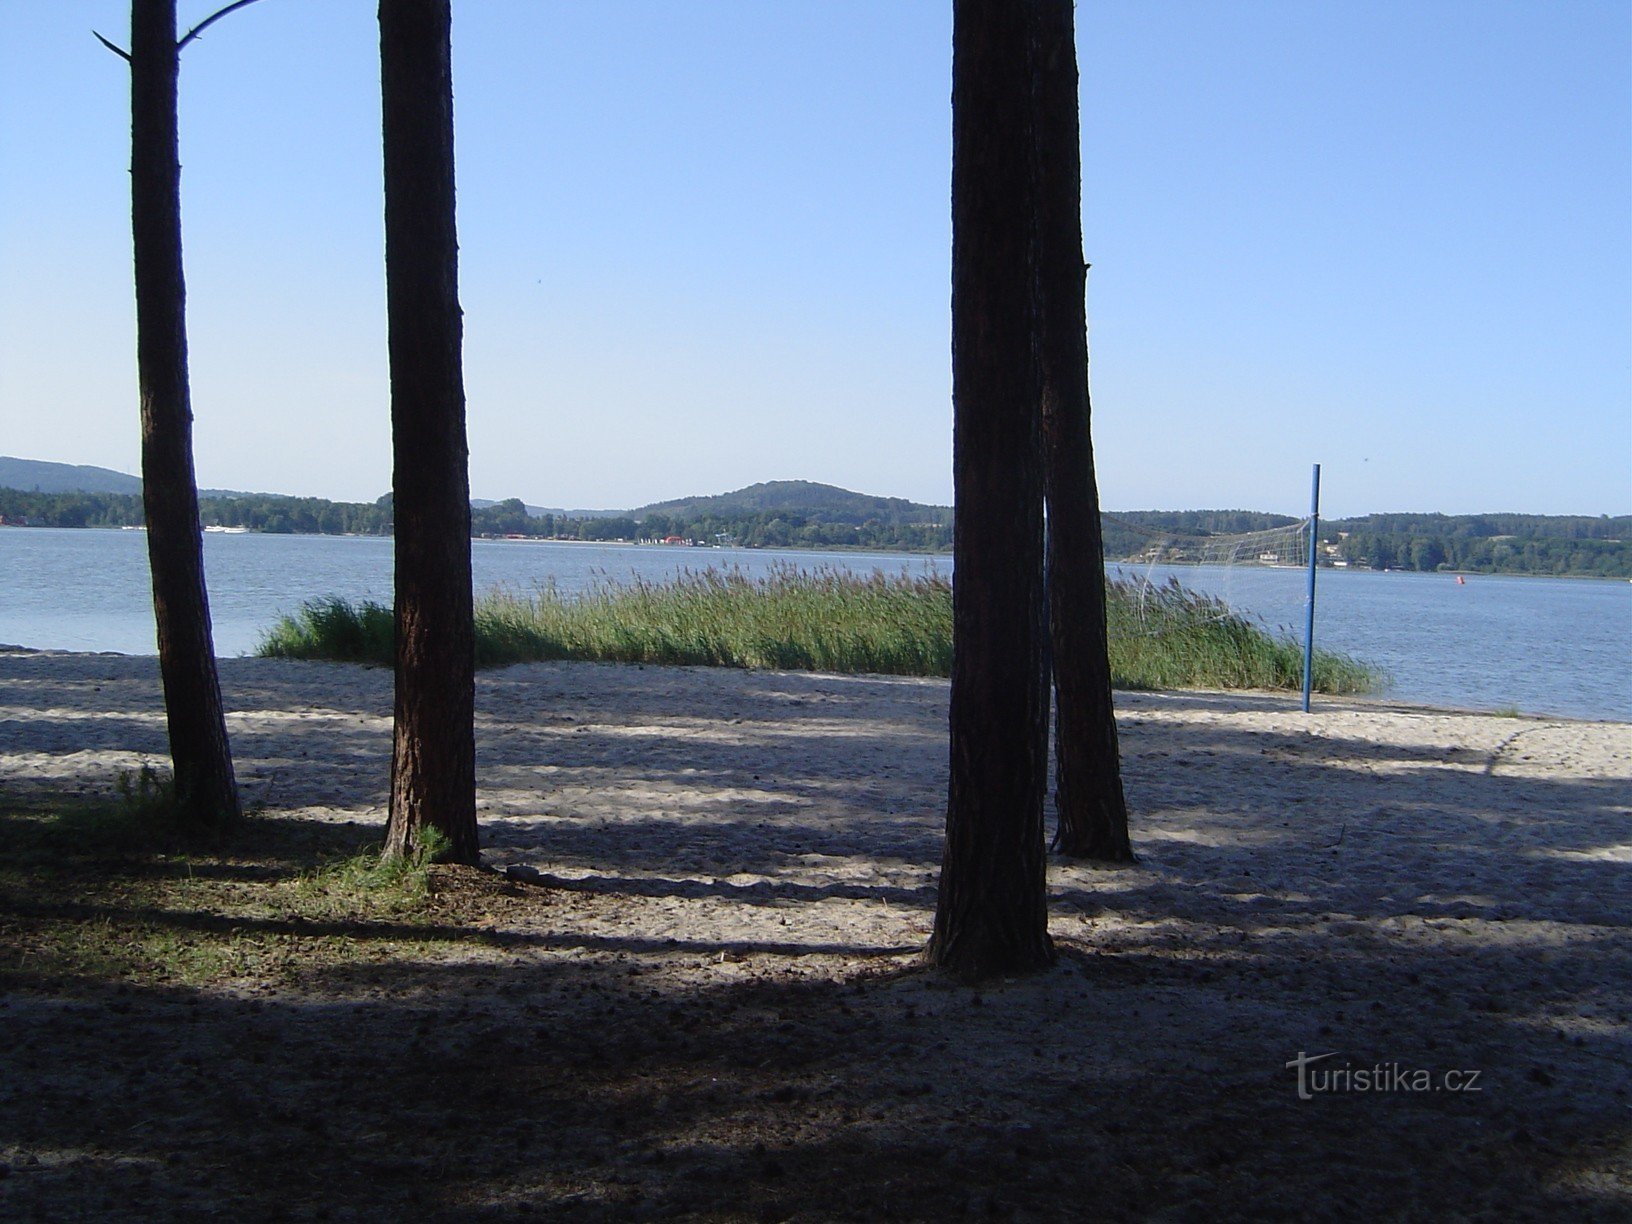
(991, 913)
(1093, 814)
(206, 792)
(433, 764)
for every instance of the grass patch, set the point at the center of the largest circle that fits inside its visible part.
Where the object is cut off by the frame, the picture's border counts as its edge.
(112, 895)
(823, 620)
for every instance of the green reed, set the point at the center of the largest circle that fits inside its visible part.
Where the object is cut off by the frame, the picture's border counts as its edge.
(1168, 636)
(821, 620)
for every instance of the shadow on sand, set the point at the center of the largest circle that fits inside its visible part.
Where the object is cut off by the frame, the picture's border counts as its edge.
(525, 1059)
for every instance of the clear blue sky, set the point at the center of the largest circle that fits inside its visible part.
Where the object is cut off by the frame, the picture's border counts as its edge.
(706, 244)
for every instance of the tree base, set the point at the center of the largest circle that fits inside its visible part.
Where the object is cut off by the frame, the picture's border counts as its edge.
(1095, 850)
(972, 959)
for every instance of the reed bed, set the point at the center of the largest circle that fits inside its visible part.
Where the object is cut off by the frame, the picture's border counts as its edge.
(333, 628)
(1168, 636)
(822, 620)
(791, 619)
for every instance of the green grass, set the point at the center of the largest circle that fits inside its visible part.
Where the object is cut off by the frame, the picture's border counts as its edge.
(1164, 637)
(790, 620)
(333, 628)
(826, 620)
(117, 893)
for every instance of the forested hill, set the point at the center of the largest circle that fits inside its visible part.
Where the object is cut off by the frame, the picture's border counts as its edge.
(800, 514)
(776, 514)
(37, 476)
(43, 476)
(802, 497)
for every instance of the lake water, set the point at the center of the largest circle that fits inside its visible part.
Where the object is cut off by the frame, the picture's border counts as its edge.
(1542, 645)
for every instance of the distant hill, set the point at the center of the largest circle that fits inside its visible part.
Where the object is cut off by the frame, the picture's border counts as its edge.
(484, 503)
(40, 476)
(808, 499)
(37, 476)
(803, 497)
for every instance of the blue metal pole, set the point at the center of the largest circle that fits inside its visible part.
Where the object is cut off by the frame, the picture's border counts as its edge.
(1314, 555)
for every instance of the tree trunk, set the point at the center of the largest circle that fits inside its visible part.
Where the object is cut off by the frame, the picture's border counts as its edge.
(206, 793)
(433, 763)
(1093, 814)
(991, 914)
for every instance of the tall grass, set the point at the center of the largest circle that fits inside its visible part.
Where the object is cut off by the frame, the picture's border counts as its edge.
(1168, 636)
(333, 628)
(823, 620)
(790, 619)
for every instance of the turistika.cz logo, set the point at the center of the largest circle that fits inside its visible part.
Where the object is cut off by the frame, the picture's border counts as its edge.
(1320, 1080)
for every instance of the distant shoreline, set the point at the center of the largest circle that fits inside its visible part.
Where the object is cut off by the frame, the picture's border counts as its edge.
(879, 550)
(805, 515)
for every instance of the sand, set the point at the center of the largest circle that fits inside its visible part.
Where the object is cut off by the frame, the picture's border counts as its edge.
(726, 856)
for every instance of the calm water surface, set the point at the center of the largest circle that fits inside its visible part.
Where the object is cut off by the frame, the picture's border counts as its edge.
(1542, 645)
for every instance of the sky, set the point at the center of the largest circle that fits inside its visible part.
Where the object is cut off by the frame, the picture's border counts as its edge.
(707, 243)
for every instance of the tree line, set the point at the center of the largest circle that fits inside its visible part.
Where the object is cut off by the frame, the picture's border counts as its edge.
(272, 514)
(317, 516)
(1589, 558)
(1556, 545)
(784, 528)
(1559, 545)
(1608, 527)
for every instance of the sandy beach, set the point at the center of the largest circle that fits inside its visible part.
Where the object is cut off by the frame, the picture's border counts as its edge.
(754, 855)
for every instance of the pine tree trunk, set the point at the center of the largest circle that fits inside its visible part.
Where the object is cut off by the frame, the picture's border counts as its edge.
(433, 764)
(991, 914)
(1093, 814)
(205, 791)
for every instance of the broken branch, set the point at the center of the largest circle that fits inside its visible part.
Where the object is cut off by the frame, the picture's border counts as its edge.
(119, 51)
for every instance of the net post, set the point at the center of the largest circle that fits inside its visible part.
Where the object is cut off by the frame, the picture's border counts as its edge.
(1314, 556)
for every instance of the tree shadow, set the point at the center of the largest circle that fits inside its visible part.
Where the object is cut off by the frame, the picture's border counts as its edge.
(619, 1087)
(1390, 903)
